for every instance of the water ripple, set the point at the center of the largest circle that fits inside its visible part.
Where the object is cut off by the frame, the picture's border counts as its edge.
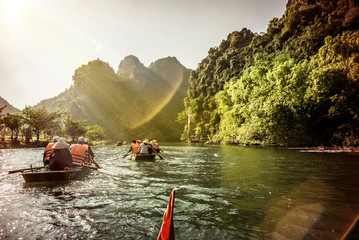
(225, 192)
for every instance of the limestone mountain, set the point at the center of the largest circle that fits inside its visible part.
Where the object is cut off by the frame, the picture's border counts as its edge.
(135, 102)
(9, 108)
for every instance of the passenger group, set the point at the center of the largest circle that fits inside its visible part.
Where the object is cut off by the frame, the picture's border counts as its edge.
(58, 154)
(147, 147)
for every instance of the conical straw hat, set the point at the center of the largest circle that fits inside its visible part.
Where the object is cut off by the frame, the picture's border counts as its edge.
(61, 145)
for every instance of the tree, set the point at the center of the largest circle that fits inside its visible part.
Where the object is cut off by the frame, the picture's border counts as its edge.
(2, 123)
(74, 128)
(95, 132)
(39, 119)
(26, 132)
(53, 129)
(13, 122)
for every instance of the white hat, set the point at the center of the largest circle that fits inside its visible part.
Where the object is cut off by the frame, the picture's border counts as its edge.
(81, 139)
(61, 145)
(56, 138)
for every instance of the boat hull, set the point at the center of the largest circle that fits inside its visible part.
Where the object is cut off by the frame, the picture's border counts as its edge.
(56, 175)
(145, 157)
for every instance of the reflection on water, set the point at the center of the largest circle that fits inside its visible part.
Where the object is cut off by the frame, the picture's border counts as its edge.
(225, 192)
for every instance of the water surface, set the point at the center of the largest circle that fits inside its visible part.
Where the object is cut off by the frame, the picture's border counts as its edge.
(225, 192)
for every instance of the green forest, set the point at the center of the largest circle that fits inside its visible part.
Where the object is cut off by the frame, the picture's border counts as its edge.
(295, 85)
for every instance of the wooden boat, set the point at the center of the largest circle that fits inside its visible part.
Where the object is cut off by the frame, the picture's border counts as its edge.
(144, 157)
(44, 175)
(326, 151)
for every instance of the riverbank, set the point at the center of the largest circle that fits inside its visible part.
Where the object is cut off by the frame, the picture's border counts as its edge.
(299, 148)
(11, 145)
(7, 144)
(43, 143)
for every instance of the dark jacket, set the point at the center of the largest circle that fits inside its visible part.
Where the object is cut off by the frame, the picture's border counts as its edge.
(60, 158)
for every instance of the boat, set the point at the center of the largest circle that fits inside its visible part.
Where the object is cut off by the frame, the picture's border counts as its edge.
(144, 157)
(44, 175)
(326, 151)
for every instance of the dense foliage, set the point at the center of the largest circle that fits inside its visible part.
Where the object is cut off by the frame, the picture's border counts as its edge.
(41, 122)
(297, 84)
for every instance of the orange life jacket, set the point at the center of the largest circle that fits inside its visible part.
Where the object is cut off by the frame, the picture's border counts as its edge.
(135, 147)
(155, 146)
(79, 153)
(48, 151)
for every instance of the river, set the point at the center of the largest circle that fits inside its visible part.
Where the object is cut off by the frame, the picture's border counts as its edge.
(225, 192)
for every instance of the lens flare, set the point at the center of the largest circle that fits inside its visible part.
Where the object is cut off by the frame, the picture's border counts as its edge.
(159, 103)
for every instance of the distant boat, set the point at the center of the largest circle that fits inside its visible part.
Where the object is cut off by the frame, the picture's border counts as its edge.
(44, 175)
(120, 143)
(326, 151)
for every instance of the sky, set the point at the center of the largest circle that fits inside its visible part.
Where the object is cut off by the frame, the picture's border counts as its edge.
(43, 42)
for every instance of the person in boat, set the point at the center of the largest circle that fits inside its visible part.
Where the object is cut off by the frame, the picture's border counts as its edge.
(90, 152)
(145, 147)
(156, 146)
(153, 146)
(134, 148)
(60, 157)
(48, 150)
(81, 152)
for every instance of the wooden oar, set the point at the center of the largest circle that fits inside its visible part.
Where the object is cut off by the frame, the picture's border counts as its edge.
(20, 170)
(111, 159)
(102, 171)
(127, 154)
(154, 150)
(98, 169)
(96, 164)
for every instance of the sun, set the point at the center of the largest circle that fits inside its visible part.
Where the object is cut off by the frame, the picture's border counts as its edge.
(13, 10)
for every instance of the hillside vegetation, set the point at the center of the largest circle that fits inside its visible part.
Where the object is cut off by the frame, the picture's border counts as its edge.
(297, 84)
(134, 102)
